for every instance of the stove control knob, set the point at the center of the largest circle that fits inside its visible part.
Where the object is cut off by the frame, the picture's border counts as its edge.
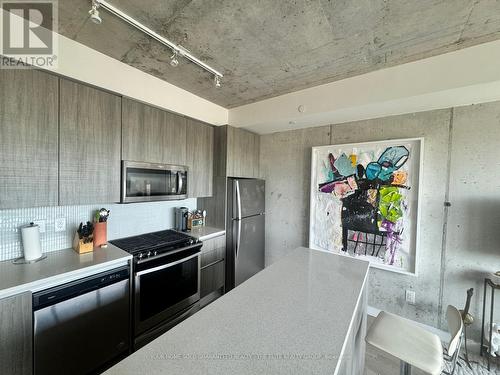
(155, 252)
(139, 256)
(191, 241)
(148, 254)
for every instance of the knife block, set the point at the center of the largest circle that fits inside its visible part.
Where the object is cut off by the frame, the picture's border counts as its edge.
(81, 247)
(100, 233)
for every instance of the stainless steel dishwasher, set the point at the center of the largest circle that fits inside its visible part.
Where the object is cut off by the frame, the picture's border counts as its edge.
(83, 326)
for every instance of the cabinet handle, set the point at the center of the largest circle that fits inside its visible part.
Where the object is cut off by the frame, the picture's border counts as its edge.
(212, 264)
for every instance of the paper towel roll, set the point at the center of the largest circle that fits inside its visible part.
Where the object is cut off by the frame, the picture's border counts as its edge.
(30, 235)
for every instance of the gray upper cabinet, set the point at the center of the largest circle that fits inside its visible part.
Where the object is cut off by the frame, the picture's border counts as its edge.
(28, 138)
(243, 149)
(90, 129)
(152, 135)
(16, 335)
(199, 157)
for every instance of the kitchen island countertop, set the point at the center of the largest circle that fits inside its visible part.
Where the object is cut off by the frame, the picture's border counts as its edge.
(300, 315)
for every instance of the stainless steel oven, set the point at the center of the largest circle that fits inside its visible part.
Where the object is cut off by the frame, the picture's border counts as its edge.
(166, 290)
(145, 182)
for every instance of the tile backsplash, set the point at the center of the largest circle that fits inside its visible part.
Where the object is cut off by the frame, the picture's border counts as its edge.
(124, 220)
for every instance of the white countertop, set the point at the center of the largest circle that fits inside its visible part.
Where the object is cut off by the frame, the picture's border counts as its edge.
(59, 267)
(206, 233)
(291, 318)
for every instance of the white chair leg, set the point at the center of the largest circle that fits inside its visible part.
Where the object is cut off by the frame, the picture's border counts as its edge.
(404, 369)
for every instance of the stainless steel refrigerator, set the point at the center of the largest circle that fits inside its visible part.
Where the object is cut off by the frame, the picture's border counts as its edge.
(245, 229)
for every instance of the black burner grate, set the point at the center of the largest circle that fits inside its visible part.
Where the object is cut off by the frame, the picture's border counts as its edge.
(151, 241)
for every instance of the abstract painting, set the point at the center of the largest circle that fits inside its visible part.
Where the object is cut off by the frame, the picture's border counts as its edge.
(364, 201)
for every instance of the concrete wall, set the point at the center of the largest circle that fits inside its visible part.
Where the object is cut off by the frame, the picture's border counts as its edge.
(285, 160)
(473, 227)
(460, 145)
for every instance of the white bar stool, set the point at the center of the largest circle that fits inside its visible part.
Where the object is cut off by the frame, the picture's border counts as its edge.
(413, 345)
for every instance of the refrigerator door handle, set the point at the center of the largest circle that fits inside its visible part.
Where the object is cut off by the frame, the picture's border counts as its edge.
(238, 241)
(238, 200)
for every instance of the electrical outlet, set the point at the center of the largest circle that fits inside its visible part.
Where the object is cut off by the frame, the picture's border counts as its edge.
(41, 225)
(60, 224)
(410, 296)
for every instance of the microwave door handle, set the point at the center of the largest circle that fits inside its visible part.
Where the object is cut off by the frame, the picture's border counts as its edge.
(179, 182)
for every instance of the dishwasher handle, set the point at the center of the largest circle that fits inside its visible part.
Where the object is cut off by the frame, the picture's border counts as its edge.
(64, 292)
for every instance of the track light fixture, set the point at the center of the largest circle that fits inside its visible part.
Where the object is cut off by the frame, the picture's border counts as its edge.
(173, 59)
(177, 50)
(94, 13)
(217, 82)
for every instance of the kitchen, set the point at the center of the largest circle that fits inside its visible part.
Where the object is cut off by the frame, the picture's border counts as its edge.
(168, 210)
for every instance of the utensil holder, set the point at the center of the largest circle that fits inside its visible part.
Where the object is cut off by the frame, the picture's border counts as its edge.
(100, 233)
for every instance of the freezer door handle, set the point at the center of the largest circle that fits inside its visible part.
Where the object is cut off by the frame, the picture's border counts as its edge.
(238, 200)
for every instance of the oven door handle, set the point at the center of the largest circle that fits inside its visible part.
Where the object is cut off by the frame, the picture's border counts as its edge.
(167, 265)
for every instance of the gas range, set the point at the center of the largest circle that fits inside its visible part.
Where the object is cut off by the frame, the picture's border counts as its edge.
(152, 245)
(166, 280)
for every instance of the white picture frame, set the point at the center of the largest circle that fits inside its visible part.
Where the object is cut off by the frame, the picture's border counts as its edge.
(323, 237)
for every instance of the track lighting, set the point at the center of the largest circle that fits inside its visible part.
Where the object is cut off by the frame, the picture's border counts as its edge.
(173, 59)
(217, 81)
(94, 13)
(177, 49)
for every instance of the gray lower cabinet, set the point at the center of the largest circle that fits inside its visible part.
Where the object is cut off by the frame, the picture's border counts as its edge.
(199, 158)
(16, 335)
(152, 135)
(28, 138)
(90, 141)
(212, 277)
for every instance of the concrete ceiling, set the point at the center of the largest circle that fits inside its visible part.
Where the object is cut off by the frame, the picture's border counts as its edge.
(268, 48)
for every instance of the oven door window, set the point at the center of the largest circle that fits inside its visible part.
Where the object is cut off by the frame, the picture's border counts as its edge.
(164, 288)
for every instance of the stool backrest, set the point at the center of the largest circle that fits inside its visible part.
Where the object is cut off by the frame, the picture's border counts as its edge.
(455, 327)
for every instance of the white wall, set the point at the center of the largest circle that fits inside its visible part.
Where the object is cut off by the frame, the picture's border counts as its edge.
(458, 78)
(85, 64)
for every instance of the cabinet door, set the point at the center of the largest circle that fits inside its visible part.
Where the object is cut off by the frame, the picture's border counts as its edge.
(200, 158)
(256, 155)
(89, 135)
(242, 153)
(28, 138)
(16, 335)
(212, 279)
(212, 274)
(152, 135)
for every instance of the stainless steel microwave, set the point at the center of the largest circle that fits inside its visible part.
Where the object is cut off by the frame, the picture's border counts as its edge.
(147, 182)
